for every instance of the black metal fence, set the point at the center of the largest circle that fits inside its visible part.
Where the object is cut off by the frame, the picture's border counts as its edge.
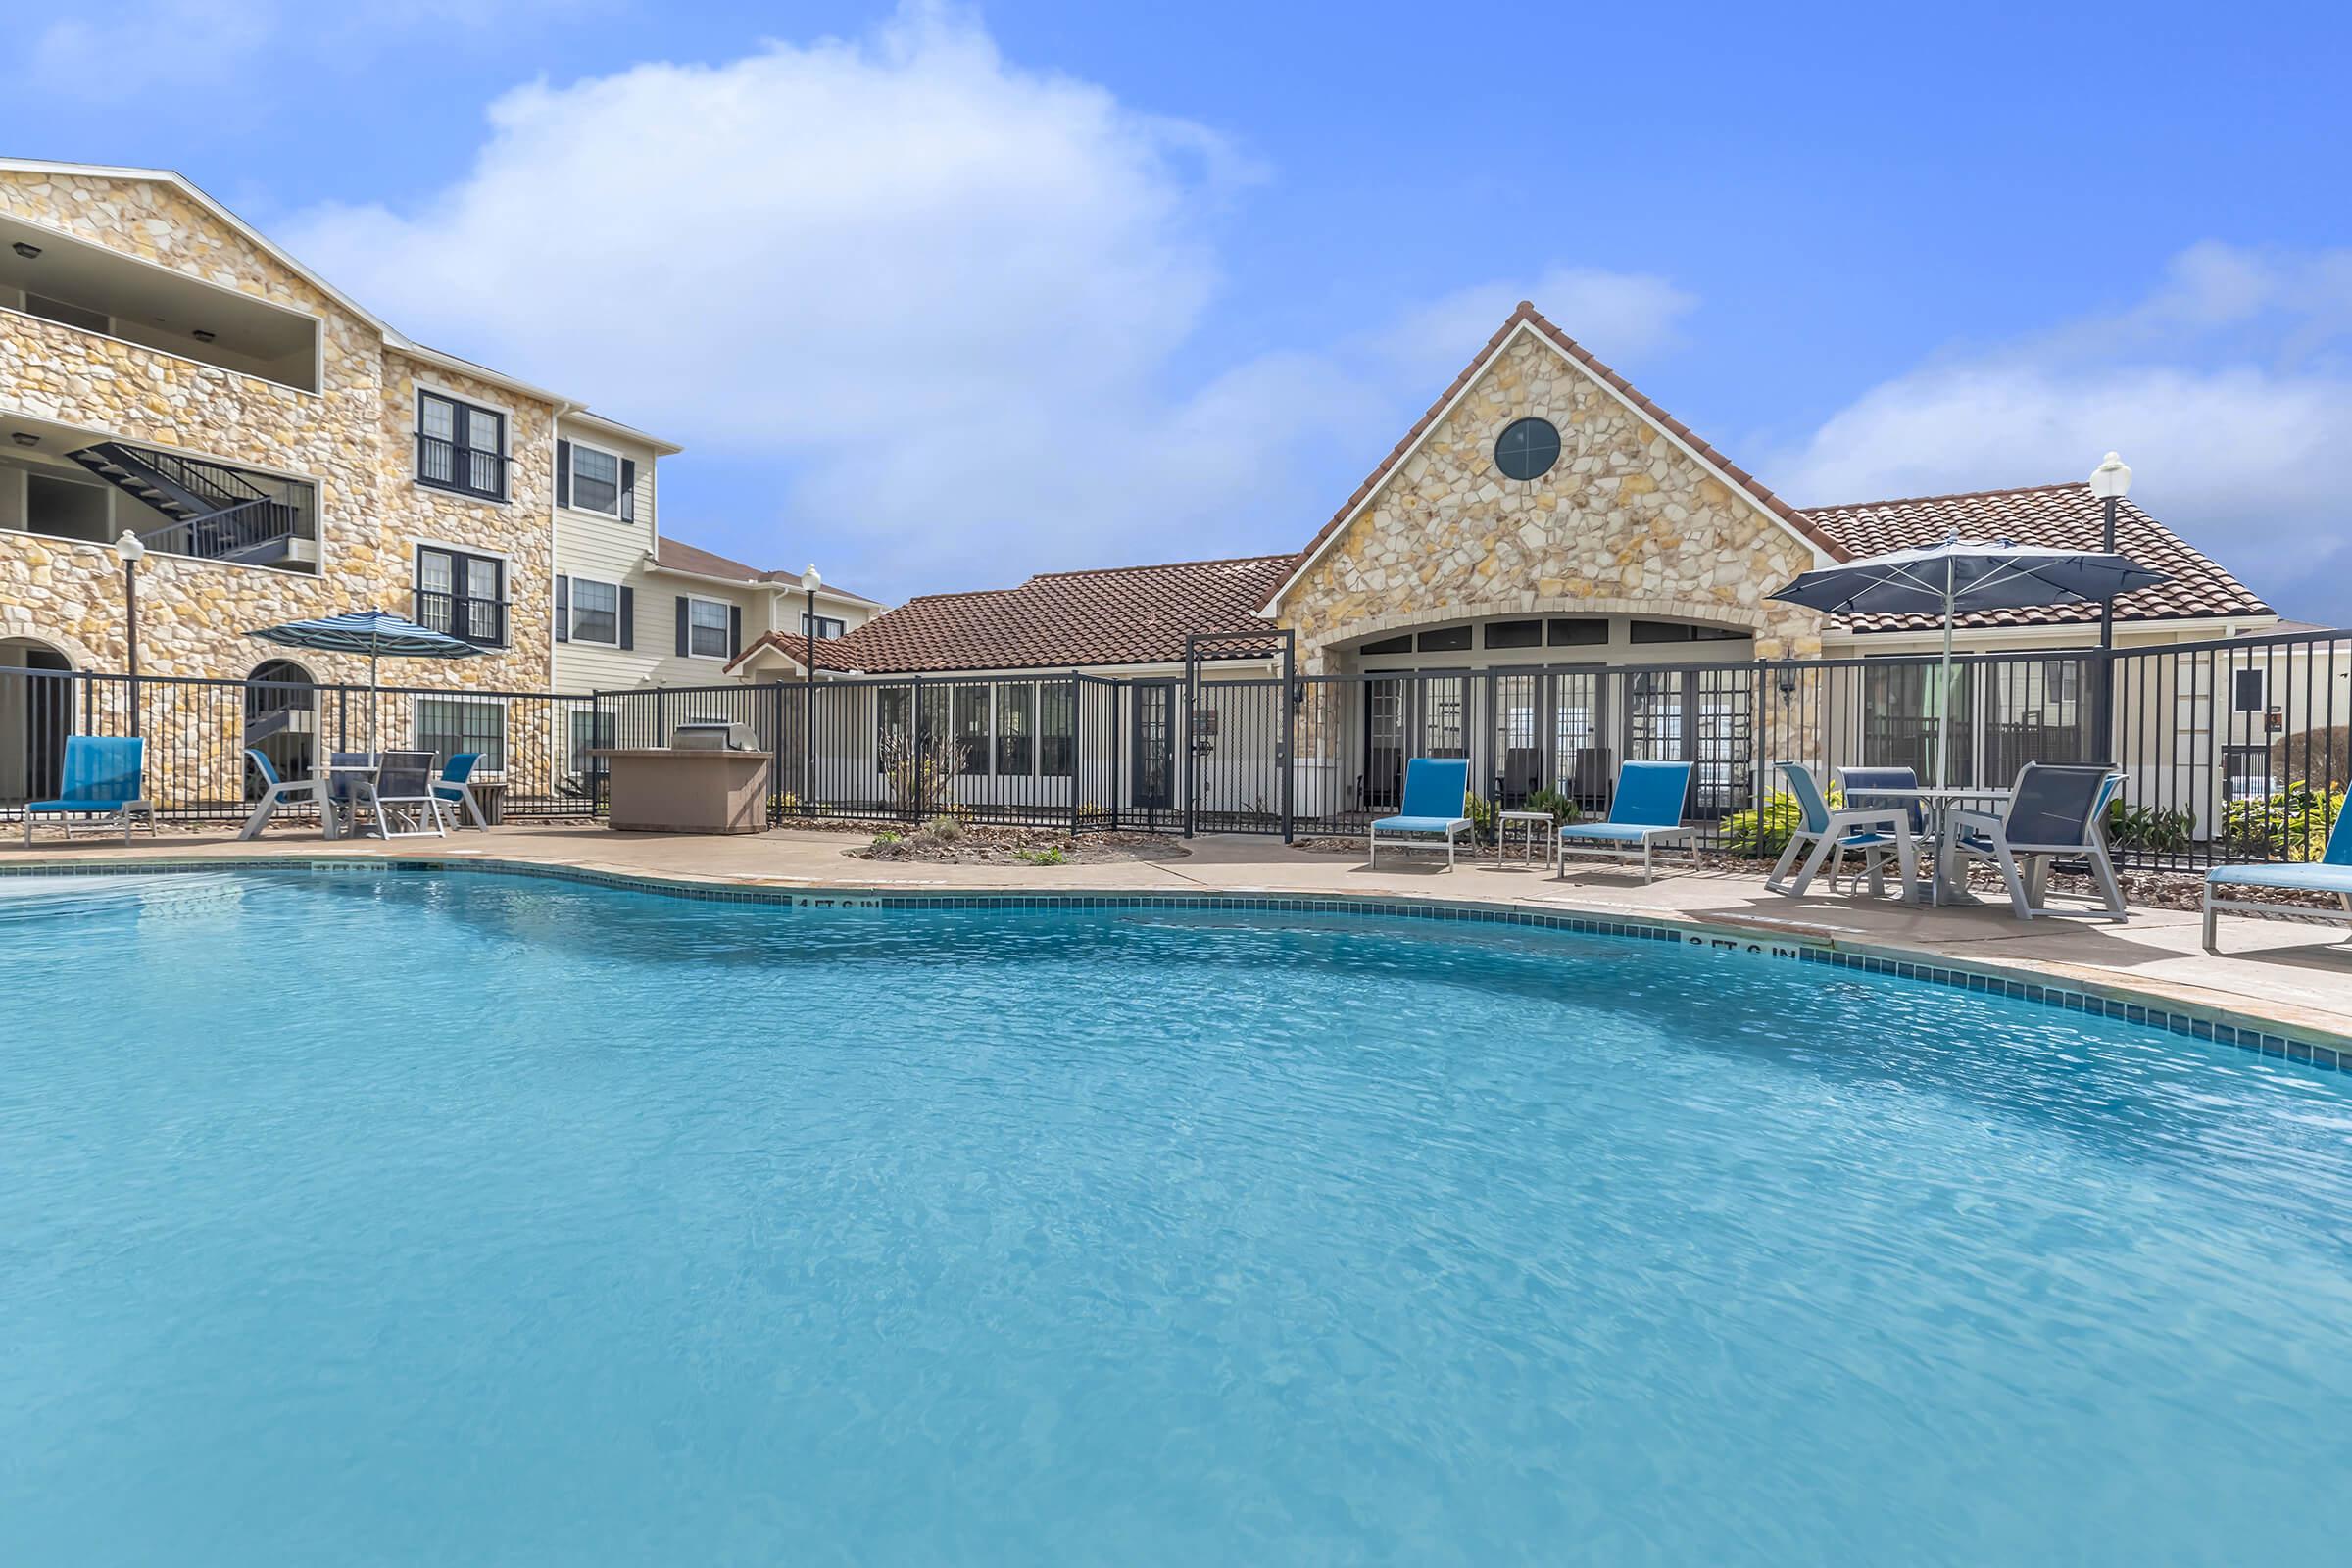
(534, 747)
(2232, 750)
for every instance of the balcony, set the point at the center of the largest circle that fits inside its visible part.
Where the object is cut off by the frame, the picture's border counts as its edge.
(90, 288)
(474, 621)
(467, 470)
(68, 484)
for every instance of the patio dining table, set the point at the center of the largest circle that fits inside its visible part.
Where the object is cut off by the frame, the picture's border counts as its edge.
(1948, 883)
(361, 770)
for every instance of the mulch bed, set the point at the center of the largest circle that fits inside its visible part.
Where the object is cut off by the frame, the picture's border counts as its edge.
(1004, 845)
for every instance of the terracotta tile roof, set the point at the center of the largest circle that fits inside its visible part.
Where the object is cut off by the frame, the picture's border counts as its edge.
(1528, 314)
(2058, 515)
(1061, 620)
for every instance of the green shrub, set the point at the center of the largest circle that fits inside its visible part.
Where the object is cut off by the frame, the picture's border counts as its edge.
(944, 828)
(1052, 855)
(1764, 832)
(2157, 829)
(1481, 812)
(1563, 809)
(2290, 826)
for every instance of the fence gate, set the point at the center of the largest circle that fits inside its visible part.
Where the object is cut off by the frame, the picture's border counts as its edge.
(1238, 737)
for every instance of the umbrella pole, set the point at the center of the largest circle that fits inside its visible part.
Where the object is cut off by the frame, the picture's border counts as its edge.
(375, 701)
(1943, 744)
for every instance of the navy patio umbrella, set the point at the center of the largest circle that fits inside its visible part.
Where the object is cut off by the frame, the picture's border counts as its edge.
(372, 632)
(1958, 576)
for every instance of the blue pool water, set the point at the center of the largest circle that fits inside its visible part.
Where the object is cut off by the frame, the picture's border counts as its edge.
(353, 1218)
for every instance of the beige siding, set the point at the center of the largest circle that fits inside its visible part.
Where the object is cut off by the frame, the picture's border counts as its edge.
(604, 549)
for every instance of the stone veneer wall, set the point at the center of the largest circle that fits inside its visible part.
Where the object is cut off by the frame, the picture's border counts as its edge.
(355, 440)
(1625, 522)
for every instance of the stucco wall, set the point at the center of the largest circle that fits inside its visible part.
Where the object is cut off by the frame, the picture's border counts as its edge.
(1625, 522)
(353, 439)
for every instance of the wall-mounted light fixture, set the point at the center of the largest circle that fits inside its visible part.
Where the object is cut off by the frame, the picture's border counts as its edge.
(202, 335)
(29, 252)
(24, 438)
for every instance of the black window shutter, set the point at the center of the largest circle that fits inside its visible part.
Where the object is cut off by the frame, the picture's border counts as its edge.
(734, 630)
(628, 490)
(629, 617)
(681, 625)
(562, 473)
(562, 610)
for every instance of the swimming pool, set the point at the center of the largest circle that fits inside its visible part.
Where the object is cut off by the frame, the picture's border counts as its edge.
(472, 1217)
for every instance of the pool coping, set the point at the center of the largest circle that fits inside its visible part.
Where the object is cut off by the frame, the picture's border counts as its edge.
(2068, 988)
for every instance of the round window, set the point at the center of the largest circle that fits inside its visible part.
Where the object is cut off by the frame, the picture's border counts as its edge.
(1527, 449)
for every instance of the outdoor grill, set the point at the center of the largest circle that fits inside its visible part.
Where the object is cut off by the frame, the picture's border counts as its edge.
(712, 735)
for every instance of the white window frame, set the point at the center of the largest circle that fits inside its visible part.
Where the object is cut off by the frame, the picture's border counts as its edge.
(620, 467)
(419, 388)
(726, 620)
(571, 610)
(449, 547)
(505, 737)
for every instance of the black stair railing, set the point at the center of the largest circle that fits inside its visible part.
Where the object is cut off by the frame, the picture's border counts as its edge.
(218, 512)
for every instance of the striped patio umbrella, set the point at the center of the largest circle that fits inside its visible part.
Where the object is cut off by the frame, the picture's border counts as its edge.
(374, 633)
(1957, 577)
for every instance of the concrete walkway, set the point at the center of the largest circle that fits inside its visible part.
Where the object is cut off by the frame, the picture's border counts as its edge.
(2295, 975)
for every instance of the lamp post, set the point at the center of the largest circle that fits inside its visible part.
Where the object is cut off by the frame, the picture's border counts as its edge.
(2110, 481)
(809, 581)
(132, 550)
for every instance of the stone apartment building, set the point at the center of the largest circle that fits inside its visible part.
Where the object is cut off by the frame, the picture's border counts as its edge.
(281, 453)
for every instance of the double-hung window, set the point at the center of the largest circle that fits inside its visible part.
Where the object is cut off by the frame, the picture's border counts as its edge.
(826, 625)
(594, 481)
(594, 611)
(463, 595)
(447, 725)
(707, 628)
(461, 447)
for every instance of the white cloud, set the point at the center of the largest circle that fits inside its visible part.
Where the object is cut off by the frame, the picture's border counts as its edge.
(198, 52)
(945, 296)
(2226, 390)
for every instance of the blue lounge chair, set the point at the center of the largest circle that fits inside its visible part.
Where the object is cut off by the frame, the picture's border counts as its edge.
(1646, 810)
(2053, 810)
(454, 789)
(1437, 789)
(2332, 872)
(1872, 831)
(102, 776)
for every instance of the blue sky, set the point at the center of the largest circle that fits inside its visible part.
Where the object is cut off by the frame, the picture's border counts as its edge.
(936, 297)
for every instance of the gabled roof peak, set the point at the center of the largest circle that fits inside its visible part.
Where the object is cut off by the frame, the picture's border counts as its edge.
(1525, 318)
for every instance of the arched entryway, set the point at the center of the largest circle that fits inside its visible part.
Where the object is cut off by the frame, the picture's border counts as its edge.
(281, 720)
(36, 714)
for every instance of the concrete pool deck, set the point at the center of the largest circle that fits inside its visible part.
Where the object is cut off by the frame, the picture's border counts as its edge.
(2293, 974)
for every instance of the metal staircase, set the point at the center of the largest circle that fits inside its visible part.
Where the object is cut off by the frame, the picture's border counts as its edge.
(219, 512)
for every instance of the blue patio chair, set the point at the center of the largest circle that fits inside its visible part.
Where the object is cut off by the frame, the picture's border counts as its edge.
(1646, 810)
(405, 805)
(2053, 809)
(1437, 790)
(454, 789)
(2332, 872)
(277, 791)
(1858, 782)
(102, 776)
(1875, 831)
